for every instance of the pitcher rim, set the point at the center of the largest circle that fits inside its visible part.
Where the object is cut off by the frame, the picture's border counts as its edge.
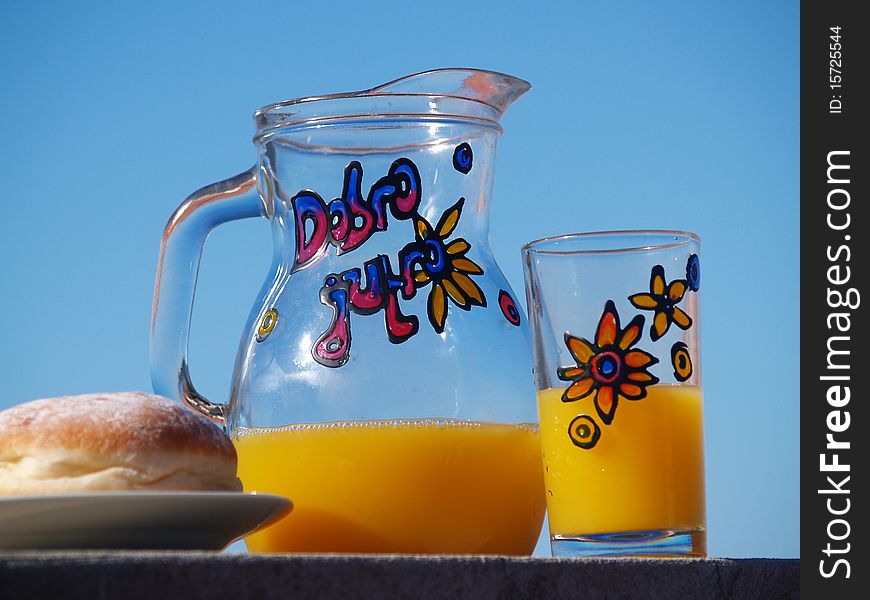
(375, 90)
(486, 112)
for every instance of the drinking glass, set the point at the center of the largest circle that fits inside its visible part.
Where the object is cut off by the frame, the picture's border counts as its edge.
(615, 332)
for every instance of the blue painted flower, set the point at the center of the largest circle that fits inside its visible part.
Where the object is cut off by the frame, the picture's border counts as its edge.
(463, 157)
(693, 273)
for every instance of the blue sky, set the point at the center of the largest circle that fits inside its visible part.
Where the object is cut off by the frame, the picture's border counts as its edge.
(642, 115)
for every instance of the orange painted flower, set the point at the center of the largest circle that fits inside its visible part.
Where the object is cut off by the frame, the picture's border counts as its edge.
(663, 300)
(609, 367)
(445, 265)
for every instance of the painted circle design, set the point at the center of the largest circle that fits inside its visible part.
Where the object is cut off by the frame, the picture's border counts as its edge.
(693, 273)
(681, 361)
(584, 432)
(463, 158)
(267, 324)
(509, 308)
(606, 366)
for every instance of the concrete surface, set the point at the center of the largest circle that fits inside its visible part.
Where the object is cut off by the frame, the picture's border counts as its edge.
(194, 575)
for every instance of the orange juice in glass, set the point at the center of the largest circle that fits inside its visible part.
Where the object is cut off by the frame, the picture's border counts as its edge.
(615, 317)
(401, 486)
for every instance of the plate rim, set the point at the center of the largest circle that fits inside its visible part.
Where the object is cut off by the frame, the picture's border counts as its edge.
(270, 507)
(146, 494)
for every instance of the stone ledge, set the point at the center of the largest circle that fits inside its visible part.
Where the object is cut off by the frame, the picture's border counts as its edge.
(195, 575)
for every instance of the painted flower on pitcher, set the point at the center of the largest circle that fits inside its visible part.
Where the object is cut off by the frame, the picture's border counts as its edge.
(693, 272)
(662, 300)
(446, 266)
(609, 367)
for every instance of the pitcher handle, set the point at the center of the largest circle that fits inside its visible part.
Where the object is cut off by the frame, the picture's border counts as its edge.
(177, 271)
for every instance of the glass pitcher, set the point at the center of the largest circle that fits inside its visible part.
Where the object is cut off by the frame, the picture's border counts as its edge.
(384, 379)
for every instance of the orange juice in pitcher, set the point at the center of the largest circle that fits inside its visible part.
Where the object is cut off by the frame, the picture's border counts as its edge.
(405, 486)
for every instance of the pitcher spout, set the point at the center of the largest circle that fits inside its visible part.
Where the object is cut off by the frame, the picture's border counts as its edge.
(494, 89)
(467, 94)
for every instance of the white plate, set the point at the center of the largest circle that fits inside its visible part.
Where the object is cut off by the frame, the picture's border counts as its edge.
(135, 520)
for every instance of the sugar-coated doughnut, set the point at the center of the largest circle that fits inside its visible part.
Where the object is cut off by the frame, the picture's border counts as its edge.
(111, 442)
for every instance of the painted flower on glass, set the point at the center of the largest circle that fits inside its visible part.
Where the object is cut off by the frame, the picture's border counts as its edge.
(662, 300)
(446, 266)
(693, 273)
(609, 367)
